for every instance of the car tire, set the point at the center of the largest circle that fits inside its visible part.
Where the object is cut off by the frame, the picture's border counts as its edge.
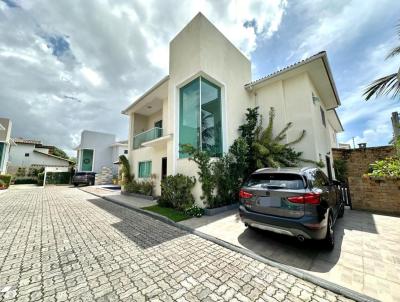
(91, 183)
(75, 185)
(329, 241)
(341, 211)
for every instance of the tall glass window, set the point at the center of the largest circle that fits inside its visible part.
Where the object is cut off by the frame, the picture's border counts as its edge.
(201, 128)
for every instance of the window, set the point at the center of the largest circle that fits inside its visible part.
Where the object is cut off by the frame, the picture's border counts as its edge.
(125, 151)
(318, 179)
(158, 124)
(2, 152)
(322, 116)
(200, 123)
(144, 169)
(275, 181)
(26, 154)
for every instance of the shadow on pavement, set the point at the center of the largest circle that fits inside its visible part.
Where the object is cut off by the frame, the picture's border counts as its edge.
(143, 230)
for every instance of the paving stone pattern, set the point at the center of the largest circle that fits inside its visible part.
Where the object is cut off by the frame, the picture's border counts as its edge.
(62, 244)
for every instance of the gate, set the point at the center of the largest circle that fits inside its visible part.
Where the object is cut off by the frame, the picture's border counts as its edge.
(345, 194)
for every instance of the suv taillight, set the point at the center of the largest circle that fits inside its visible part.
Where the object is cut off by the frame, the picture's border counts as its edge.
(310, 198)
(244, 194)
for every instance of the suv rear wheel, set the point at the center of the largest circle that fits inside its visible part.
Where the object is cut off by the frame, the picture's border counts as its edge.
(329, 241)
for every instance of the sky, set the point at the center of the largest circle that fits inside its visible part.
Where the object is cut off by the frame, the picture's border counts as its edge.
(66, 66)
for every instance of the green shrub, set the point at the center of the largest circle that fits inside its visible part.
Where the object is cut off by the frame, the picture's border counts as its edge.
(25, 180)
(194, 211)
(144, 187)
(5, 181)
(388, 167)
(40, 179)
(176, 191)
(21, 172)
(340, 167)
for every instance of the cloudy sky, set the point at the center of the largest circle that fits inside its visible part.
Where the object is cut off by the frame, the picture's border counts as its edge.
(70, 65)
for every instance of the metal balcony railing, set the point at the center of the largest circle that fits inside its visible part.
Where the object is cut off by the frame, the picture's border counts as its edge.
(146, 136)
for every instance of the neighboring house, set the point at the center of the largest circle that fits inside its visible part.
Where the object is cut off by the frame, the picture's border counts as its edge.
(5, 143)
(204, 98)
(27, 153)
(97, 150)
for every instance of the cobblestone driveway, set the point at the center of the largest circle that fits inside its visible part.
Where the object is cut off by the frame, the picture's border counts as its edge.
(61, 244)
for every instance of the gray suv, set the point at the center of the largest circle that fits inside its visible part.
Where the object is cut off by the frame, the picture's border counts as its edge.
(300, 202)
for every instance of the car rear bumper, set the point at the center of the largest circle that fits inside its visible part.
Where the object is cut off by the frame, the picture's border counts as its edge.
(80, 181)
(285, 226)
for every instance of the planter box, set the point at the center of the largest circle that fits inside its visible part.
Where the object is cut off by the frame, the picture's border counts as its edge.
(215, 211)
(138, 195)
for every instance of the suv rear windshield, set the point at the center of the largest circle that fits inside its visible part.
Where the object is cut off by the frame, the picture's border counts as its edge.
(276, 181)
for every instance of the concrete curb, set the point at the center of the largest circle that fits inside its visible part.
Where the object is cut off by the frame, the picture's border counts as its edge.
(338, 289)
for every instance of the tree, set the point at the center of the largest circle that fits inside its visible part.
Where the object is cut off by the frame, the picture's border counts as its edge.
(389, 84)
(269, 151)
(60, 153)
(248, 133)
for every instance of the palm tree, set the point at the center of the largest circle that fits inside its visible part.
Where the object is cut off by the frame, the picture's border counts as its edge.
(270, 151)
(387, 84)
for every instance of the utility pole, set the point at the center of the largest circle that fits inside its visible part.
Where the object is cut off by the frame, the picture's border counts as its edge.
(354, 143)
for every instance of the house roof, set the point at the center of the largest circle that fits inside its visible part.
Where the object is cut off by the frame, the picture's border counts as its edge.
(158, 84)
(2, 127)
(50, 155)
(20, 140)
(321, 55)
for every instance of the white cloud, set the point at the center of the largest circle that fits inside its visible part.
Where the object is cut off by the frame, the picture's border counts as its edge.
(68, 66)
(92, 76)
(336, 24)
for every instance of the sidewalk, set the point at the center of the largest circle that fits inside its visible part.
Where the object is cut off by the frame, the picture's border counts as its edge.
(117, 197)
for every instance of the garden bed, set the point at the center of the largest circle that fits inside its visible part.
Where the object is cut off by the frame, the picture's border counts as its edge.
(215, 211)
(170, 213)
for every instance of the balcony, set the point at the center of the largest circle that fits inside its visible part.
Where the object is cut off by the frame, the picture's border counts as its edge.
(146, 136)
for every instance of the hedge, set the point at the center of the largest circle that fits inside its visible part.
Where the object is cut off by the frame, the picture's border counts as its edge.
(25, 180)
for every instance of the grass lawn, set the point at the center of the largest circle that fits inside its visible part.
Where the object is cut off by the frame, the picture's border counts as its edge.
(172, 214)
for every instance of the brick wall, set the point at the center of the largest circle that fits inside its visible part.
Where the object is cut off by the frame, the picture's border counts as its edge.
(373, 194)
(358, 160)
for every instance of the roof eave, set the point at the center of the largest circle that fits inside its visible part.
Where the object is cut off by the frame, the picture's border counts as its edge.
(321, 55)
(158, 84)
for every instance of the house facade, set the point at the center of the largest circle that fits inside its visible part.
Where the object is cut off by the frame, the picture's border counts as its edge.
(26, 153)
(98, 150)
(204, 99)
(5, 143)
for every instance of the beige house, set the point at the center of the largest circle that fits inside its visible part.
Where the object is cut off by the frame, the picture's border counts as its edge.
(204, 98)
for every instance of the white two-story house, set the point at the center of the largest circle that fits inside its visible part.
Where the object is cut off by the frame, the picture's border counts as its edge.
(5, 143)
(204, 99)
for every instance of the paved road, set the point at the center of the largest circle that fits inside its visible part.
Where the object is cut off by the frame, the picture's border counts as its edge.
(62, 244)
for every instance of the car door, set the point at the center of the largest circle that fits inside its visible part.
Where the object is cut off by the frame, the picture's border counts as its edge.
(331, 191)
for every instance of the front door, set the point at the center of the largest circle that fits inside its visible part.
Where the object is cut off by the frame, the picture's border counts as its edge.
(87, 160)
(328, 167)
(164, 168)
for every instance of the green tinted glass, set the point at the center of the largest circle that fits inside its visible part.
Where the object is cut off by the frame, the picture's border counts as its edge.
(211, 134)
(87, 160)
(2, 151)
(189, 115)
(144, 169)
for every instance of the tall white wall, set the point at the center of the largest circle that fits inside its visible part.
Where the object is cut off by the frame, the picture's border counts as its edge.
(201, 50)
(101, 144)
